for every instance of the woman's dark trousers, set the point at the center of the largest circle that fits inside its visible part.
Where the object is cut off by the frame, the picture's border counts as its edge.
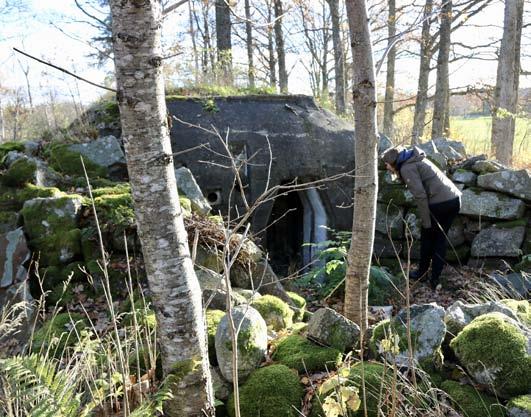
(433, 240)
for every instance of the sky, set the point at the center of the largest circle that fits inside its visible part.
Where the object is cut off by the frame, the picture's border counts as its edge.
(52, 30)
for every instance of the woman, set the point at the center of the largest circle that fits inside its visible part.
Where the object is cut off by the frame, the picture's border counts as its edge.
(438, 201)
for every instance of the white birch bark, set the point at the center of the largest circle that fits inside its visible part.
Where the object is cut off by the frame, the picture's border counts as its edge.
(136, 26)
(505, 96)
(365, 187)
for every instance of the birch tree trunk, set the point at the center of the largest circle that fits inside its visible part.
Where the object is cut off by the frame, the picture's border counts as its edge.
(390, 77)
(223, 41)
(249, 43)
(281, 53)
(366, 143)
(136, 27)
(507, 80)
(442, 87)
(339, 56)
(424, 73)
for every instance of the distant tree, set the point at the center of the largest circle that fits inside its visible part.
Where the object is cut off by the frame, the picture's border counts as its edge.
(339, 56)
(441, 101)
(224, 40)
(365, 151)
(281, 52)
(507, 81)
(175, 290)
(390, 77)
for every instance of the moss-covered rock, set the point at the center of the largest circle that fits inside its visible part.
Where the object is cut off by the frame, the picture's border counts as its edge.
(330, 328)
(7, 147)
(298, 302)
(493, 350)
(58, 248)
(276, 313)
(58, 333)
(14, 198)
(21, 172)
(48, 216)
(273, 391)
(471, 402)
(213, 317)
(115, 210)
(522, 308)
(519, 406)
(68, 162)
(306, 357)
(377, 383)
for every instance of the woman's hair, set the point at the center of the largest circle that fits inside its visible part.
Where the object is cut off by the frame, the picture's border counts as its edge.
(389, 156)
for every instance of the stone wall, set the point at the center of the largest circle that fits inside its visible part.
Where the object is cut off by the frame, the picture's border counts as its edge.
(494, 221)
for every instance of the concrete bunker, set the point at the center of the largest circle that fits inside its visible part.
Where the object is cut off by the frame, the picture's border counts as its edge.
(274, 141)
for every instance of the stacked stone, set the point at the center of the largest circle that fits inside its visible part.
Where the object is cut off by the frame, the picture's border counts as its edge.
(494, 220)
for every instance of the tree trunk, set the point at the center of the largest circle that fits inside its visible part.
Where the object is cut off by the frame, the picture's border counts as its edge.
(366, 143)
(339, 56)
(249, 43)
(194, 42)
(424, 73)
(271, 49)
(507, 80)
(390, 78)
(175, 290)
(442, 88)
(223, 41)
(281, 53)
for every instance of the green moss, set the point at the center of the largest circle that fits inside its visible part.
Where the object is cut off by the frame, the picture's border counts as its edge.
(471, 402)
(115, 211)
(300, 303)
(7, 147)
(299, 353)
(59, 332)
(90, 247)
(119, 188)
(525, 263)
(212, 90)
(383, 286)
(21, 172)
(8, 218)
(58, 248)
(42, 217)
(68, 162)
(299, 327)
(490, 342)
(213, 317)
(522, 308)
(14, 198)
(186, 205)
(377, 380)
(522, 402)
(458, 254)
(275, 312)
(54, 276)
(272, 391)
(396, 194)
(181, 369)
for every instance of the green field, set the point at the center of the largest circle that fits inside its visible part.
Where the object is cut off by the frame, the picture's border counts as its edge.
(475, 133)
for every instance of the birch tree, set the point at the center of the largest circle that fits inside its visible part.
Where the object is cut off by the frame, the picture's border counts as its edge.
(136, 28)
(390, 77)
(506, 93)
(365, 148)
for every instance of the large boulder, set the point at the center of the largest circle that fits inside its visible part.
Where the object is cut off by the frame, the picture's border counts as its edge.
(187, 184)
(210, 280)
(330, 328)
(460, 314)
(451, 149)
(427, 334)
(251, 344)
(396, 194)
(14, 254)
(487, 166)
(105, 152)
(495, 350)
(22, 169)
(17, 307)
(491, 205)
(499, 240)
(516, 183)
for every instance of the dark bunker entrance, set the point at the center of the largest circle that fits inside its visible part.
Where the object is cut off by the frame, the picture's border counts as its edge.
(297, 218)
